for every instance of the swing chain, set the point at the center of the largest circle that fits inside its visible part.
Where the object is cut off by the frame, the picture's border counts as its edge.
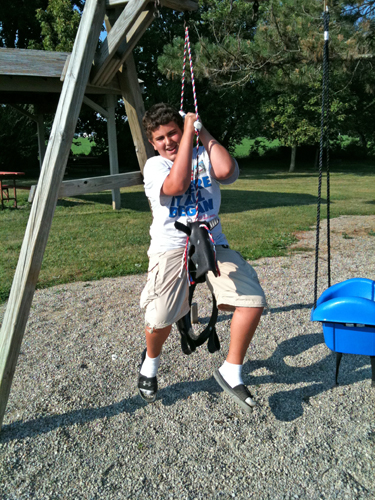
(324, 143)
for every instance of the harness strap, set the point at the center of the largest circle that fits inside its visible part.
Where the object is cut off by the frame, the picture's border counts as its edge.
(190, 341)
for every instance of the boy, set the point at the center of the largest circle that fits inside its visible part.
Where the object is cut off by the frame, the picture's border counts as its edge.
(171, 192)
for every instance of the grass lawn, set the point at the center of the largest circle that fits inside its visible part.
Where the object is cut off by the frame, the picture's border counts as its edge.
(260, 144)
(260, 213)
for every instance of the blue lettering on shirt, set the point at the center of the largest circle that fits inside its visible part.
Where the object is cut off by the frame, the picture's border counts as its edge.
(208, 205)
(200, 197)
(206, 182)
(186, 205)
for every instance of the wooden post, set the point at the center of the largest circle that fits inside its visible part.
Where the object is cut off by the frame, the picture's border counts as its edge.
(135, 110)
(112, 146)
(44, 204)
(41, 137)
(133, 101)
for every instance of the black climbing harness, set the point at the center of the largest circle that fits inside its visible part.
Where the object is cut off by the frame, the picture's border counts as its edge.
(200, 259)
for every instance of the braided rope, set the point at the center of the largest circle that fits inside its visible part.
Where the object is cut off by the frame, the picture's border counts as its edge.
(187, 50)
(194, 175)
(324, 141)
(183, 76)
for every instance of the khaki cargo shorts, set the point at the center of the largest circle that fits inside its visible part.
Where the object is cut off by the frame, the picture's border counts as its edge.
(166, 294)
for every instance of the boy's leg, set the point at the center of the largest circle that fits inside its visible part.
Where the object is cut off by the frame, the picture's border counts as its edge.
(229, 376)
(156, 339)
(166, 299)
(147, 380)
(238, 289)
(244, 323)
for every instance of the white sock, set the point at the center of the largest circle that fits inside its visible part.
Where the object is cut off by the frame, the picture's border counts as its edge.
(231, 374)
(150, 366)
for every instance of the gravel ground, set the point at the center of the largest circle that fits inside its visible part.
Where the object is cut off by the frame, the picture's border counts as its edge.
(75, 427)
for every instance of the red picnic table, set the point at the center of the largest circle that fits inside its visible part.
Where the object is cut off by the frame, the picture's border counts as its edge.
(4, 188)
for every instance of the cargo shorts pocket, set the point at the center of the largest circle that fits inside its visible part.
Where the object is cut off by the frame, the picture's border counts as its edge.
(150, 291)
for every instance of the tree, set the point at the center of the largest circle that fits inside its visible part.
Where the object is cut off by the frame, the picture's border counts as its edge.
(225, 111)
(18, 23)
(280, 49)
(18, 140)
(59, 23)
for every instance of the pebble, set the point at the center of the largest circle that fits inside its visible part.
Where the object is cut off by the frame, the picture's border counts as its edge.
(75, 426)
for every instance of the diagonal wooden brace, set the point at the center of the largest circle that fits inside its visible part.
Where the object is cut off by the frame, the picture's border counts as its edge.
(42, 210)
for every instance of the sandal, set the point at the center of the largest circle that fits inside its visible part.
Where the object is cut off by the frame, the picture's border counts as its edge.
(147, 386)
(240, 393)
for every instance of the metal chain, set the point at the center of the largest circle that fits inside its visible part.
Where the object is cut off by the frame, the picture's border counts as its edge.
(324, 141)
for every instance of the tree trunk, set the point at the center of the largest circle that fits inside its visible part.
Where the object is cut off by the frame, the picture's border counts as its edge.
(293, 159)
(363, 139)
(316, 163)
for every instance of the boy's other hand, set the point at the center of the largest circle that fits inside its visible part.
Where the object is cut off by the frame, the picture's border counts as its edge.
(189, 128)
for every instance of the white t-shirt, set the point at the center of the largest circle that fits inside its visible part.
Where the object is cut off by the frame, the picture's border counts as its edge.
(168, 209)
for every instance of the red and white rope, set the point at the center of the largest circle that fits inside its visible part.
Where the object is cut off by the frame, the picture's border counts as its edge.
(187, 50)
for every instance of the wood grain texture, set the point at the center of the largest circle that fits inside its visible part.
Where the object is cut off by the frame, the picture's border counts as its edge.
(99, 184)
(115, 37)
(42, 210)
(29, 62)
(127, 46)
(180, 5)
(135, 110)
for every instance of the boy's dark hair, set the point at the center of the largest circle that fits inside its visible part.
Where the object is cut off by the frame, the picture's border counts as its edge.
(160, 114)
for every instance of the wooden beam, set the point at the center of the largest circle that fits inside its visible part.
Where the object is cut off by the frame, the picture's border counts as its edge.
(115, 37)
(27, 62)
(180, 5)
(134, 107)
(43, 207)
(96, 107)
(99, 184)
(65, 69)
(24, 112)
(112, 148)
(127, 46)
(135, 110)
(41, 138)
(51, 85)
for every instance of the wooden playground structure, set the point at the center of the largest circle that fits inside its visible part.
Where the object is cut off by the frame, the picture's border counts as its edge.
(30, 76)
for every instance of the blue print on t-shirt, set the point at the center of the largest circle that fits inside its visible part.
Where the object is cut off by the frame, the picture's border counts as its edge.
(185, 205)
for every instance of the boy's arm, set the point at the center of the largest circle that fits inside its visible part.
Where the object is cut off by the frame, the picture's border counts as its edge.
(179, 177)
(223, 165)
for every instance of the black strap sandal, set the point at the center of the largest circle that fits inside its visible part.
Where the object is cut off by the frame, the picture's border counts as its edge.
(147, 386)
(241, 394)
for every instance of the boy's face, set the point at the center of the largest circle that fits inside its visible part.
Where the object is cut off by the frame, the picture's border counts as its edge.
(166, 140)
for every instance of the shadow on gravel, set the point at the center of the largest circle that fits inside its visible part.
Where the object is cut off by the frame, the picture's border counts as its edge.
(285, 405)
(21, 430)
(288, 405)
